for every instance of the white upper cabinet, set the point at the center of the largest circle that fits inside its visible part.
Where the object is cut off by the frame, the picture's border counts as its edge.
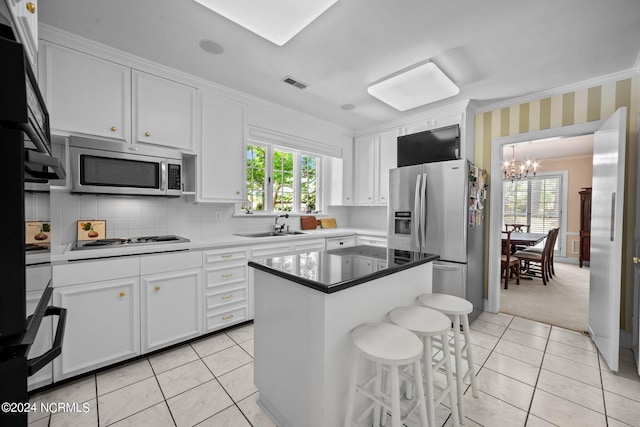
(25, 18)
(92, 96)
(364, 162)
(374, 155)
(221, 157)
(164, 112)
(85, 94)
(387, 159)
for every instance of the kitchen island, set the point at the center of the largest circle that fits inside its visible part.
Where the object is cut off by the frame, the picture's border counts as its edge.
(305, 307)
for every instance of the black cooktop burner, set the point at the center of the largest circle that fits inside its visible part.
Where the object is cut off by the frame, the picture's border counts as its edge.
(32, 247)
(104, 243)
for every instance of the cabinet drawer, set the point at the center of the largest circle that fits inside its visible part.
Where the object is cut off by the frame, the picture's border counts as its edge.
(341, 242)
(225, 255)
(224, 274)
(222, 319)
(310, 245)
(267, 251)
(371, 241)
(95, 270)
(172, 261)
(222, 296)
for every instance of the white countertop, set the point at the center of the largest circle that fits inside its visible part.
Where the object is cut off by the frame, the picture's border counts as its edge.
(63, 253)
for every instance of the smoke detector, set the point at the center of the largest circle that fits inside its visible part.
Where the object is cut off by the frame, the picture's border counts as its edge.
(293, 82)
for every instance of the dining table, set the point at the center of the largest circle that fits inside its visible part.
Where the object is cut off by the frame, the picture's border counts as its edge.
(525, 239)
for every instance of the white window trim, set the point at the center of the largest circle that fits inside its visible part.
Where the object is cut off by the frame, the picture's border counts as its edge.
(297, 175)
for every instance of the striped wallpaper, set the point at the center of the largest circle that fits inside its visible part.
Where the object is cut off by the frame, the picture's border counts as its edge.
(580, 106)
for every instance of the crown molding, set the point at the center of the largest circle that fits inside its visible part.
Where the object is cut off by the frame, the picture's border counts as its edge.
(585, 84)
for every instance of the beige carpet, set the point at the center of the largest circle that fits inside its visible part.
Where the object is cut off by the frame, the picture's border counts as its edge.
(563, 302)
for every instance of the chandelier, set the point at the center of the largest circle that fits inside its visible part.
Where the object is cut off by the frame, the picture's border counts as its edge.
(512, 171)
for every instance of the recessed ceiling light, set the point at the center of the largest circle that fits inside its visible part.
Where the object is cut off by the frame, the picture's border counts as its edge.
(348, 107)
(275, 20)
(419, 85)
(211, 47)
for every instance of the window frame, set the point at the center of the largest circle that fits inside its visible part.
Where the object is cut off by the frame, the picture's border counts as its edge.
(269, 208)
(563, 191)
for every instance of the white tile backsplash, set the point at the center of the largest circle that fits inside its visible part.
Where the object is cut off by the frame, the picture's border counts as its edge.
(139, 216)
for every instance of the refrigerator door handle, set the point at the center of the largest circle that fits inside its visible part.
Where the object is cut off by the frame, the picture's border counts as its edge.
(416, 212)
(423, 212)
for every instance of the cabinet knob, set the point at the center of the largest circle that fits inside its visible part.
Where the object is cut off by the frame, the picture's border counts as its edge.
(122, 294)
(147, 134)
(113, 128)
(237, 192)
(157, 288)
(226, 276)
(31, 7)
(227, 317)
(227, 297)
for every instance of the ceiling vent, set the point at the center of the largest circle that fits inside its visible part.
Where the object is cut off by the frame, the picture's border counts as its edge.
(294, 82)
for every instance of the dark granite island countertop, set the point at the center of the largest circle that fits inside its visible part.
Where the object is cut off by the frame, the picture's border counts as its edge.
(338, 269)
(306, 306)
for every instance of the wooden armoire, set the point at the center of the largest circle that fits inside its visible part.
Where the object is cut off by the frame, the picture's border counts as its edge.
(585, 225)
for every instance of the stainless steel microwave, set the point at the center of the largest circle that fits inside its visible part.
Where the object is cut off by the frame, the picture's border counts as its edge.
(107, 167)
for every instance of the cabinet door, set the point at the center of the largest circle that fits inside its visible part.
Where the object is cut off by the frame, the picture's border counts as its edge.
(171, 308)
(164, 112)
(42, 343)
(364, 156)
(25, 17)
(103, 325)
(85, 94)
(347, 175)
(221, 161)
(362, 265)
(387, 159)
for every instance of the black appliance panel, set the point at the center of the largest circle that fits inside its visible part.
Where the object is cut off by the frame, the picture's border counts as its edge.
(435, 145)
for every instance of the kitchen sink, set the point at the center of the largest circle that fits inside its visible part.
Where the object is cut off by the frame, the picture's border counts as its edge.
(270, 234)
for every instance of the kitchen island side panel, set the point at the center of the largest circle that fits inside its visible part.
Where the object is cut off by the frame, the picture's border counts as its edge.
(303, 350)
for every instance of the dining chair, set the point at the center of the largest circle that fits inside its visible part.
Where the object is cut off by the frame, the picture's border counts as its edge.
(550, 270)
(538, 262)
(517, 228)
(509, 264)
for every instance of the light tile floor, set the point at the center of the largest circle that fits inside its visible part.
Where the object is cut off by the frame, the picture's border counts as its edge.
(529, 374)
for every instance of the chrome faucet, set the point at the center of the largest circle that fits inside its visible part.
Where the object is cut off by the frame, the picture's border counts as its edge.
(279, 228)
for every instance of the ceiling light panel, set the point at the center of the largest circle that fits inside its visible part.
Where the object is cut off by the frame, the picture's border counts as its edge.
(417, 86)
(276, 20)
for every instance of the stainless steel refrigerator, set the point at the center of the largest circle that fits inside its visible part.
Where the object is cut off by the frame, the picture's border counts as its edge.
(439, 208)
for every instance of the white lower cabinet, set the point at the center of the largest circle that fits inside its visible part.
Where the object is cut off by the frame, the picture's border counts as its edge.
(42, 343)
(37, 277)
(171, 300)
(369, 240)
(122, 307)
(340, 242)
(226, 293)
(103, 325)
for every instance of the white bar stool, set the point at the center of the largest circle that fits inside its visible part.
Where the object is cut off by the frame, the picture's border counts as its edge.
(427, 324)
(458, 309)
(391, 347)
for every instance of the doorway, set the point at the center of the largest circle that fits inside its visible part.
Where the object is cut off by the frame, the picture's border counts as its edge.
(496, 222)
(541, 201)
